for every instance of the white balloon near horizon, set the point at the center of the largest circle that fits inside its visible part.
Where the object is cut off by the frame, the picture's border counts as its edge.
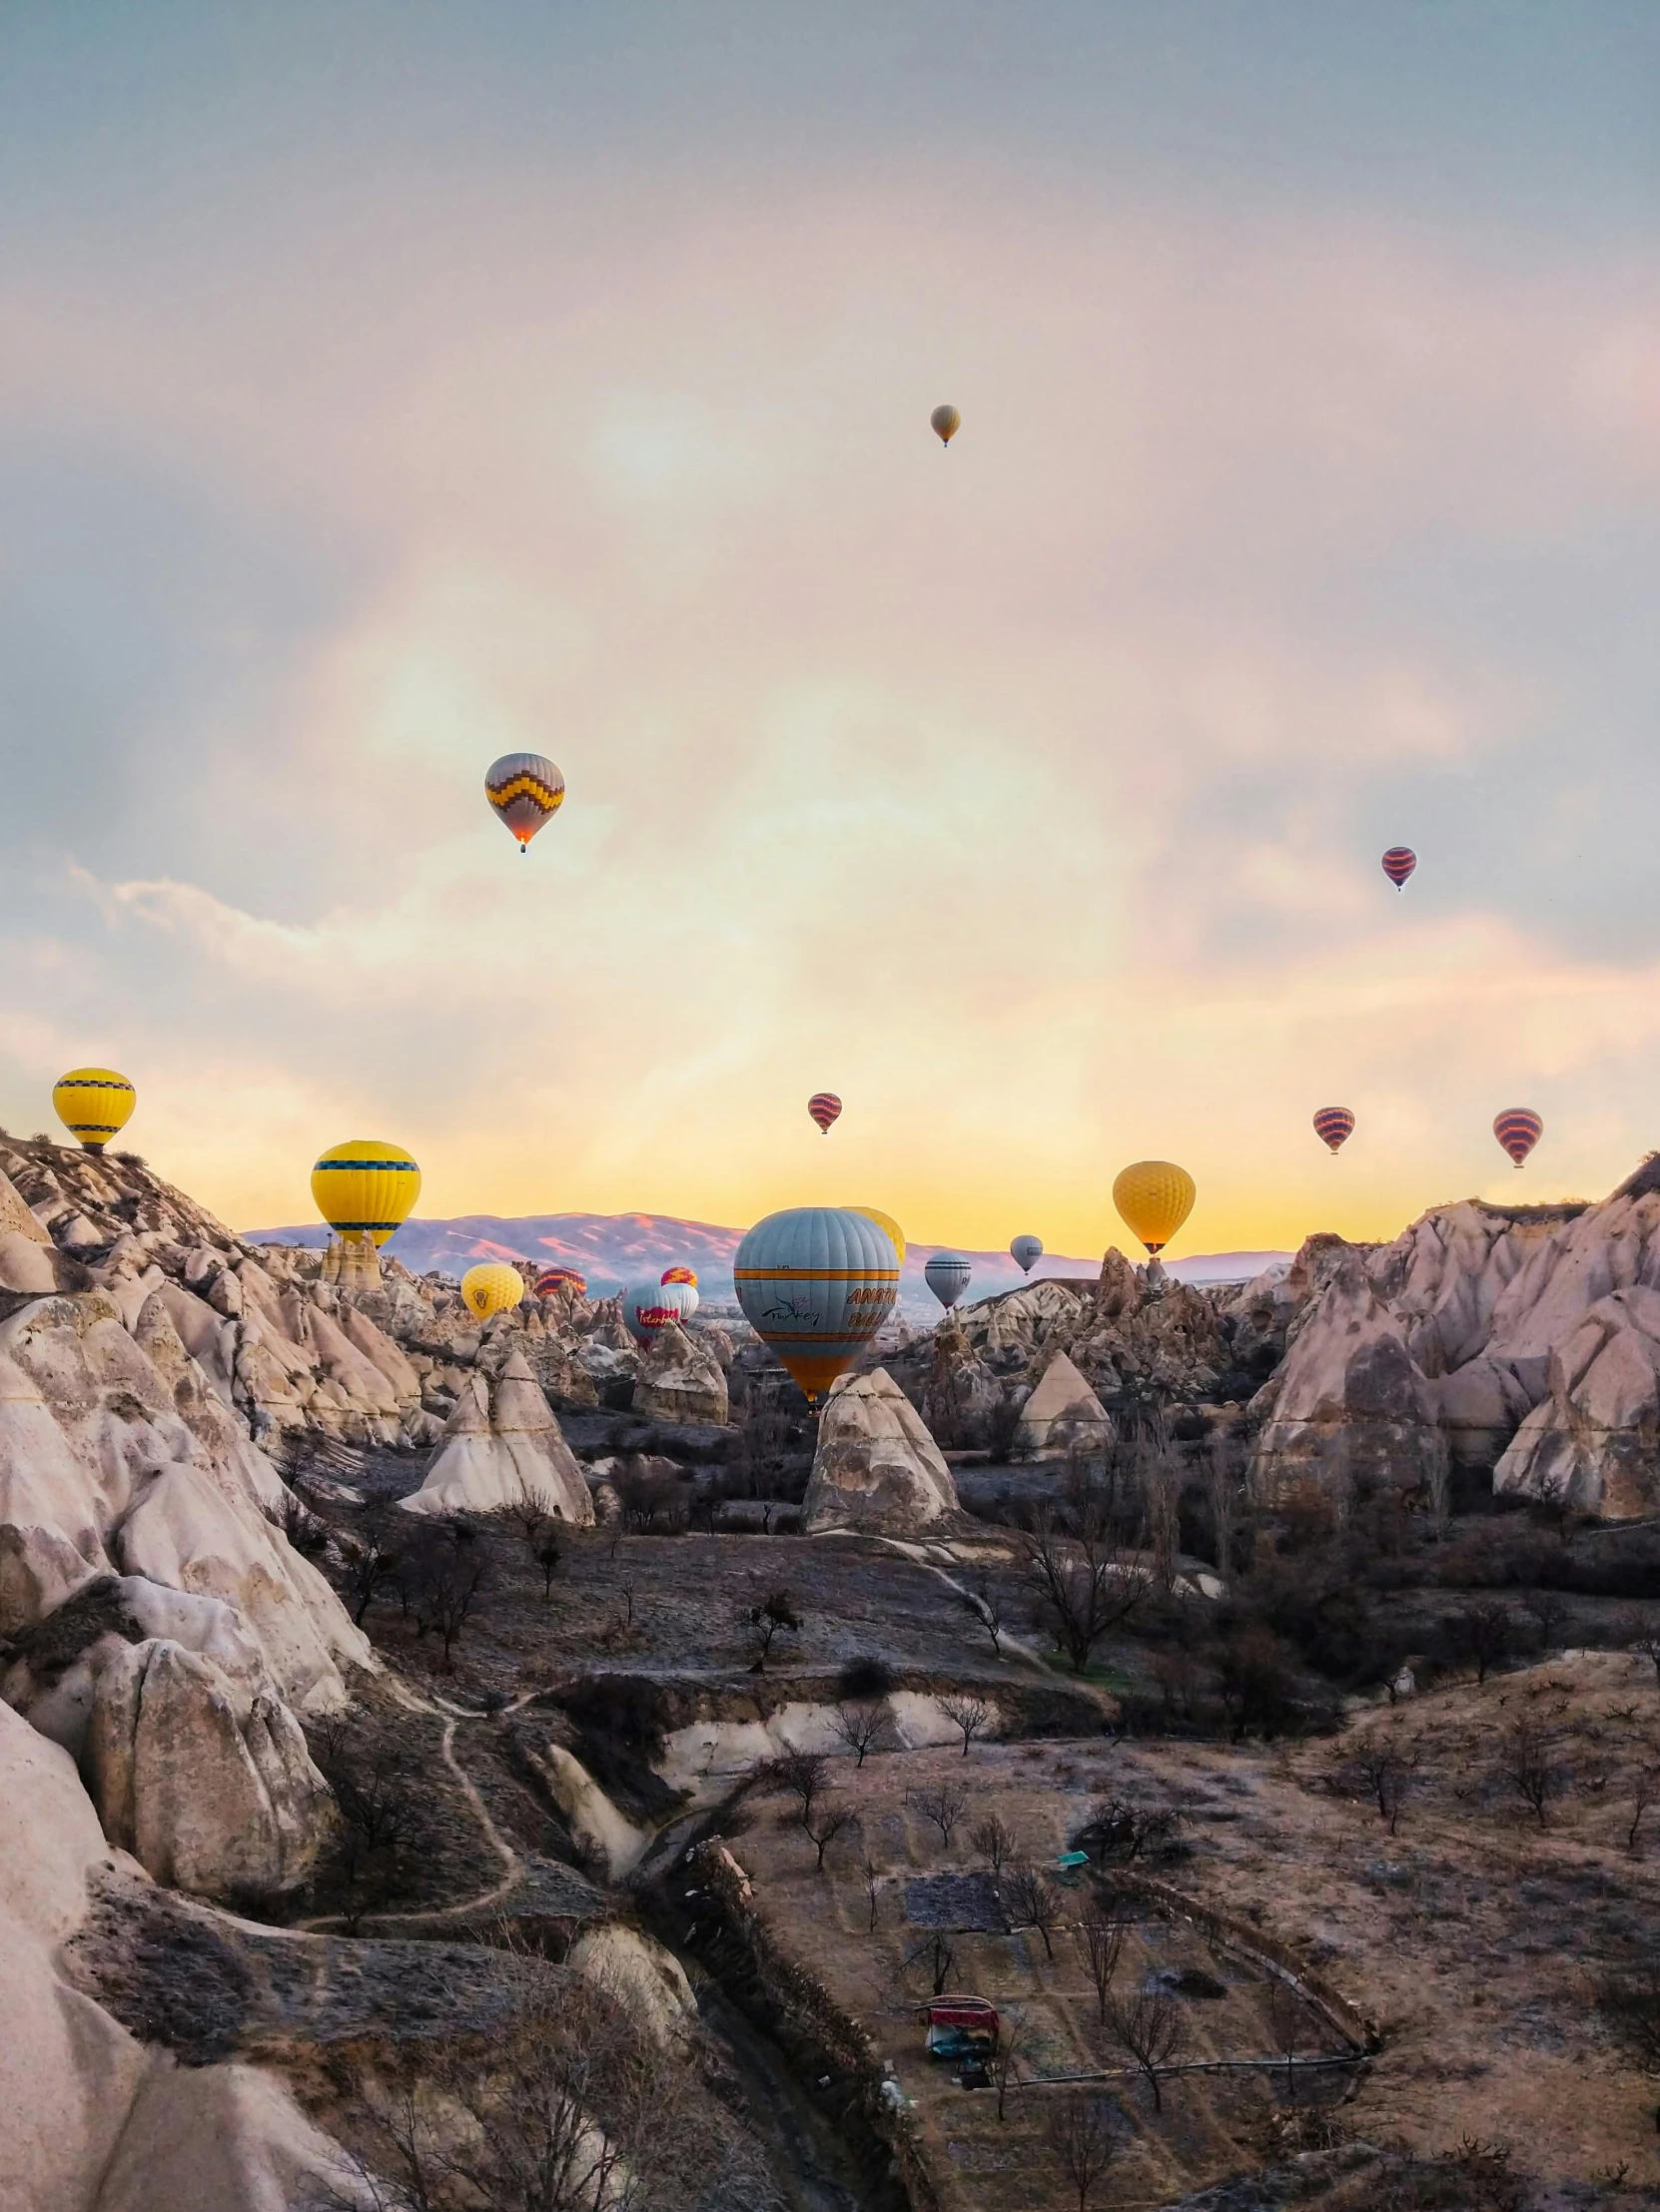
(947, 1275)
(650, 1306)
(1025, 1251)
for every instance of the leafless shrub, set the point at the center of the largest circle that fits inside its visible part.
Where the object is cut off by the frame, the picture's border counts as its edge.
(446, 1568)
(1384, 1767)
(1644, 1791)
(824, 1820)
(1288, 2024)
(1030, 1900)
(936, 1957)
(1119, 1830)
(863, 1727)
(1083, 1588)
(993, 1841)
(943, 1804)
(762, 1624)
(1152, 2029)
(1527, 1765)
(871, 1875)
(1005, 2063)
(1083, 2138)
(972, 1716)
(1101, 1945)
(1482, 1633)
(366, 1571)
(804, 1774)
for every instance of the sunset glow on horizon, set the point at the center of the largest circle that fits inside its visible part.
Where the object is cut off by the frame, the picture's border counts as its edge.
(467, 386)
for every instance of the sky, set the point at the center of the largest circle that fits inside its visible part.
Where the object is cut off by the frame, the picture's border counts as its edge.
(387, 387)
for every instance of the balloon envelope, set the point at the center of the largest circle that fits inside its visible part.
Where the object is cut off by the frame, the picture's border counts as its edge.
(680, 1275)
(1333, 1125)
(553, 1280)
(527, 790)
(491, 1287)
(1398, 863)
(365, 1188)
(885, 1221)
(1155, 1198)
(815, 1284)
(1025, 1251)
(648, 1307)
(825, 1107)
(94, 1105)
(1519, 1129)
(945, 423)
(947, 1275)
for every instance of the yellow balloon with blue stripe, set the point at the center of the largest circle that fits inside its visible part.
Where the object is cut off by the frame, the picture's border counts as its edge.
(491, 1287)
(94, 1105)
(366, 1189)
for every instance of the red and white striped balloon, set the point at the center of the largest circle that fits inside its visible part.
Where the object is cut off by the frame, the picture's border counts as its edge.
(1519, 1129)
(824, 1107)
(1398, 863)
(1332, 1124)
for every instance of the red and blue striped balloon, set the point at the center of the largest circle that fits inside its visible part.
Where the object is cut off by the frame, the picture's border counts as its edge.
(1398, 863)
(824, 1107)
(1332, 1124)
(1519, 1129)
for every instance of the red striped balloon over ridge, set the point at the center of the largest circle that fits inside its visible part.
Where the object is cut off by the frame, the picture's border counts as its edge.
(1398, 863)
(824, 1107)
(1519, 1129)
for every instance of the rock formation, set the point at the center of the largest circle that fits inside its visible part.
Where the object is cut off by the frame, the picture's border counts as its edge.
(503, 1444)
(680, 1379)
(1062, 1414)
(876, 1467)
(1525, 1341)
(94, 2119)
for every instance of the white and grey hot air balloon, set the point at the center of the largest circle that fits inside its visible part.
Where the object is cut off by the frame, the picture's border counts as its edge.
(1025, 1251)
(947, 1275)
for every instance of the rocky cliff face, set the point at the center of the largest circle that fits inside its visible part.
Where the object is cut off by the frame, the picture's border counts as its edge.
(1523, 1342)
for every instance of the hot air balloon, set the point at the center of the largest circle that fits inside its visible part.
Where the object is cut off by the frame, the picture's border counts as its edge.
(1519, 1129)
(825, 1107)
(947, 1275)
(1332, 1124)
(1025, 1251)
(553, 1280)
(526, 790)
(885, 1221)
(491, 1287)
(1398, 863)
(815, 1284)
(680, 1275)
(1155, 1198)
(366, 1189)
(650, 1306)
(945, 423)
(94, 1105)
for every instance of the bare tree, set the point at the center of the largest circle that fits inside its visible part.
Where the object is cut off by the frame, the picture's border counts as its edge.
(1528, 1767)
(942, 1803)
(448, 1570)
(764, 1621)
(1101, 1945)
(1085, 2143)
(937, 1958)
(993, 1841)
(1152, 2029)
(1223, 1492)
(1286, 2025)
(367, 1569)
(989, 1609)
(1159, 1471)
(863, 1727)
(1482, 1632)
(1083, 1588)
(1030, 1900)
(871, 1874)
(1645, 1790)
(1547, 1610)
(805, 1775)
(1641, 1633)
(973, 1715)
(1384, 1767)
(828, 1820)
(1005, 2063)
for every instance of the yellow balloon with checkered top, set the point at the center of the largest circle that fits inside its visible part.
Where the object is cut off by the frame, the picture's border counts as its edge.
(94, 1105)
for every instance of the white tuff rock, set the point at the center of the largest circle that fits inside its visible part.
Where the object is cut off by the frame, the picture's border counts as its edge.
(875, 1466)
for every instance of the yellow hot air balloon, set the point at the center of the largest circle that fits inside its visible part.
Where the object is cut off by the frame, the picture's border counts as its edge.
(366, 1189)
(491, 1287)
(945, 423)
(1155, 1197)
(94, 1105)
(884, 1221)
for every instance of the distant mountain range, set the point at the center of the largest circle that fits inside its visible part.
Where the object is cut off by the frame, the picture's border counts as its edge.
(615, 1249)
